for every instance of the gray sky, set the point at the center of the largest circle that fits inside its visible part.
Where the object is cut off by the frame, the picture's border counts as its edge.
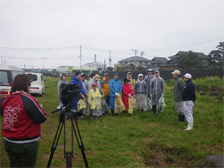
(49, 33)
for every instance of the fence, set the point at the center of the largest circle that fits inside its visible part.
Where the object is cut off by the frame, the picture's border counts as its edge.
(167, 74)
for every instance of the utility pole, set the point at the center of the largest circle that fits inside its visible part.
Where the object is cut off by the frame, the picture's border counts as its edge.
(104, 64)
(110, 59)
(43, 62)
(80, 58)
(142, 53)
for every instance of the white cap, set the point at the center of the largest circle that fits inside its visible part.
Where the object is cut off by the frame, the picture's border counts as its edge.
(187, 75)
(177, 72)
(150, 70)
(140, 75)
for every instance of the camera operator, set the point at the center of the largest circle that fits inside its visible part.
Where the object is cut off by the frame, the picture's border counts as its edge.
(62, 81)
(76, 79)
(22, 118)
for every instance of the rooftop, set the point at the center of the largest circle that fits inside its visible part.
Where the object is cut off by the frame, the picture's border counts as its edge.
(201, 55)
(134, 58)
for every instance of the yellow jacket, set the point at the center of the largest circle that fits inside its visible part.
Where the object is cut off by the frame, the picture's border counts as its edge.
(92, 98)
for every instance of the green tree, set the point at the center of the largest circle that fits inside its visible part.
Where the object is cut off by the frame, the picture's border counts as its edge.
(109, 68)
(215, 57)
(188, 60)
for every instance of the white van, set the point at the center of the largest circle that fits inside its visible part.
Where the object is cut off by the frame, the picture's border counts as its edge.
(7, 74)
(37, 83)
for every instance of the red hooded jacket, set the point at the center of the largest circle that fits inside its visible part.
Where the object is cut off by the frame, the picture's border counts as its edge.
(22, 117)
(126, 89)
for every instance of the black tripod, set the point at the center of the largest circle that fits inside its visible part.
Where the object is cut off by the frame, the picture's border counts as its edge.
(68, 155)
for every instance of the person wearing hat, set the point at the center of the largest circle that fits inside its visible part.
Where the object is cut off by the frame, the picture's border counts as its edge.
(157, 90)
(177, 94)
(115, 90)
(96, 79)
(132, 81)
(76, 79)
(92, 98)
(140, 92)
(189, 98)
(62, 81)
(148, 79)
(127, 92)
(106, 88)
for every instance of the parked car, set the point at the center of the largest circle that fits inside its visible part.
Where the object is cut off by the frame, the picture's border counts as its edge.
(7, 74)
(37, 83)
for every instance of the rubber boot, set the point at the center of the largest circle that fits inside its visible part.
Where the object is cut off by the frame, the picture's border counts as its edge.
(116, 114)
(112, 112)
(154, 109)
(182, 118)
(190, 126)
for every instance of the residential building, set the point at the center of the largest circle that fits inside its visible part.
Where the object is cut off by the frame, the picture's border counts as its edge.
(173, 63)
(131, 63)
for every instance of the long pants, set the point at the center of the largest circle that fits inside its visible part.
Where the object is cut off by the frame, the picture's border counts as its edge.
(112, 100)
(179, 107)
(22, 155)
(188, 110)
(107, 98)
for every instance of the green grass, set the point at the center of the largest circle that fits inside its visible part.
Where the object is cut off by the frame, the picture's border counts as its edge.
(135, 140)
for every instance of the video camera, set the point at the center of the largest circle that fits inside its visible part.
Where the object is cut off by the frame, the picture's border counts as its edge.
(69, 92)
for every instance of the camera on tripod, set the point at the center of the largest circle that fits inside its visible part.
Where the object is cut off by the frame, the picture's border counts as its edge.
(69, 92)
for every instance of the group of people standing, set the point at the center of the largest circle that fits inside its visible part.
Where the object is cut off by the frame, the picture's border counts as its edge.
(150, 88)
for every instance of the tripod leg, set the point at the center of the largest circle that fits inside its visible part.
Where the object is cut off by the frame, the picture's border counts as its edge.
(54, 146)
(81, 145)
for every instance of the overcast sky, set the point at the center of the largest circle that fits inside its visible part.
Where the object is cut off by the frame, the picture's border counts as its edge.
(49, 33)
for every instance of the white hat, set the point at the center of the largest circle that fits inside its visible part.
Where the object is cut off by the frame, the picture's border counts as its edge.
(177, 72)
(187, 75)
(140, 75)
(150, 70)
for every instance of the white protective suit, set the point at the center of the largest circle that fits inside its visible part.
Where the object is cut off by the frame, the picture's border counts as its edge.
(157, 89)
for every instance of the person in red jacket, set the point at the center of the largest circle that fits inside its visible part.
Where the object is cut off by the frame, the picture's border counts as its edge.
(127, 92)
(22, 116)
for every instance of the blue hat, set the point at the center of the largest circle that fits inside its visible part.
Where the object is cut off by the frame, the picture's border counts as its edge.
(115, 74)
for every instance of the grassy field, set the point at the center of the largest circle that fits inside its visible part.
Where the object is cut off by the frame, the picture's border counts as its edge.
(137, 140)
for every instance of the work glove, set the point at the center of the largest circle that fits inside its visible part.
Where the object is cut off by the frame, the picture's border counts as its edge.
(129, 95)
(162, 95)
(116, 94)
(151, 95)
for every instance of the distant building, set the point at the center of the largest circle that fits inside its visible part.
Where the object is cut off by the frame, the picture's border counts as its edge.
(87, 68)
(156, 62)
(173, 63)
(98, 66)
(132, 63)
